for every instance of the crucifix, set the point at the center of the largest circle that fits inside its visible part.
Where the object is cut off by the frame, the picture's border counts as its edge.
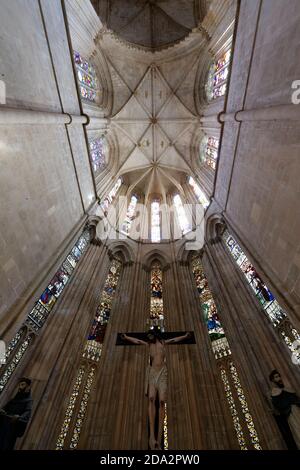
(156, 381)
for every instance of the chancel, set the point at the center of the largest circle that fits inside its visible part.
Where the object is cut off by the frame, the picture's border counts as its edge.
(149, 235)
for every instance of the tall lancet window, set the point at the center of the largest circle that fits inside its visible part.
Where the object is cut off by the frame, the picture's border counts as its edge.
(216, 84)
(82, 386)
(181, 215)
(155, 222)
(38, 315)
(275, 313)
(209, 147)
(87, 79)
(198, 192)
(98, 153)
(157, 320)
(156, 300)
(111, 195)
(241, 416)
(129, 215)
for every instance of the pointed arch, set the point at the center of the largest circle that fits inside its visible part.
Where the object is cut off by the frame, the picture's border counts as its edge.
(215, 226)
(92, 223)
(156, 255)
(121, 250)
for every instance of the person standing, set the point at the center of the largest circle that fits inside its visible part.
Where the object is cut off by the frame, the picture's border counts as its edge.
(15, 415)
(287, 406)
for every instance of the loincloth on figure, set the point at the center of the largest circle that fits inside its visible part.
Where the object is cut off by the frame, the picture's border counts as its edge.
(158, 378)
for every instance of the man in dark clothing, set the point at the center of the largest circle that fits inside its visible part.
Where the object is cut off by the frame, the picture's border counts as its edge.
(286, 406)
(14, 416)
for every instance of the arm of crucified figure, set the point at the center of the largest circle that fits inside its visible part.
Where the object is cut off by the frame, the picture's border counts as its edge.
(133, 340)
(178, 338)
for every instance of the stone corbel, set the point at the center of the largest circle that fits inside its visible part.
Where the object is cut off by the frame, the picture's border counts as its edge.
(184, 263)
(128, 263)
(204, 33)
(146, 268)
(99, 36)
(166, 267)
(78, 120)
(98, 124)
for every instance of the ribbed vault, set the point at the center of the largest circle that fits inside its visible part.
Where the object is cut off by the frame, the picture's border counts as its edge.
(151, 128)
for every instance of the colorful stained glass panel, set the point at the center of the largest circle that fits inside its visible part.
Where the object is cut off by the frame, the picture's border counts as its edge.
(86, 74)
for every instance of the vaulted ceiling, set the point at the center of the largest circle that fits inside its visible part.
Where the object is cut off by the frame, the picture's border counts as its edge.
(152, 24)
(153, 129)
(154, 117)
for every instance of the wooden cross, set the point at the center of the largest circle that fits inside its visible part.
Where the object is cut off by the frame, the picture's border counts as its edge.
(165, 336)
(156, 413)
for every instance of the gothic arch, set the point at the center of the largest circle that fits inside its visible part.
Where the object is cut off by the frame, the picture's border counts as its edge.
(92, 223)
(122, 251)
(195, 144)
(113, 150)
(104, 77)
(155, 255)
(184, 256)
(215, 225)
(200, 81)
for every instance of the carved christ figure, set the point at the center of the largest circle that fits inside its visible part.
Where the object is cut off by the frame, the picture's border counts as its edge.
(156, 379)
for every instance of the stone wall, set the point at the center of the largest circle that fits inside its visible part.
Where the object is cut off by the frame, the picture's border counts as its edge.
(46, 185)
(257, 187)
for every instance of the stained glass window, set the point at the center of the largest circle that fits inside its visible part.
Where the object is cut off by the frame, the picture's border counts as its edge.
(96, 335)
(98, 153)
(82, 408)
(9, 370)
(91, 355)
(70, 409)
(198, 192)
(264, 295)
(165, 433)
(156, 299)
(233, 410)
(129, 215)
(155, 222)
(217, 77)
(244, 406)
(87, 79)
(213, 323)
(111, 195)
(271, 307)
(37, 317)
(209, 151)
(181, 215)
(222, 351)
(14, 342)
